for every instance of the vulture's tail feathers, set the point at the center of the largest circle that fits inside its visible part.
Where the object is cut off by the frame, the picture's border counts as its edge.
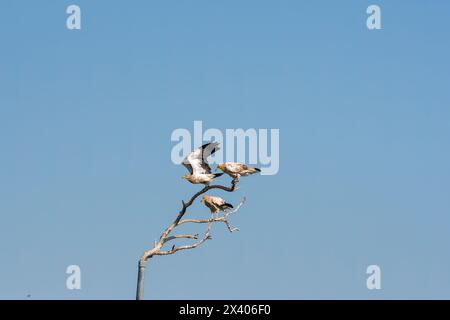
(226, 206)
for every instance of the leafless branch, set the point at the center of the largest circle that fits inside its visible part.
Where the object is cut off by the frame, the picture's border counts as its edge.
(174, 249)
(164, 238)
(182, 236)
(223, 218)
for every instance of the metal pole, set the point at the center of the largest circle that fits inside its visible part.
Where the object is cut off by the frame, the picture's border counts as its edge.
(140, 280)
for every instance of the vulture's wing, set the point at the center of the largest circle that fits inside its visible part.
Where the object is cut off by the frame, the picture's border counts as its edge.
(217, 201)
(207, 150)
(196, 161)
(187, 165)
(236, 167)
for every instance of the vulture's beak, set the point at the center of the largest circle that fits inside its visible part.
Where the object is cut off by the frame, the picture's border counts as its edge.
(183, 177)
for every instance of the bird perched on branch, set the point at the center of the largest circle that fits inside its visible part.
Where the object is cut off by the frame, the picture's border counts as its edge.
(215, 204)
(197, 164)
(236, 170)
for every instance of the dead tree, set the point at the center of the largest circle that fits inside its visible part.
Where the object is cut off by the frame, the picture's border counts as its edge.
(166, 236)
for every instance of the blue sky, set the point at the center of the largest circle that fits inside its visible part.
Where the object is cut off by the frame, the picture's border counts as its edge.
(85, 124)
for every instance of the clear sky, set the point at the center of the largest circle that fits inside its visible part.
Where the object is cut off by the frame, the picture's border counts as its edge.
(86, 117)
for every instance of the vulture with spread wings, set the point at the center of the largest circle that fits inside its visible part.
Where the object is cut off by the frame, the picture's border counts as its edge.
(197, 164)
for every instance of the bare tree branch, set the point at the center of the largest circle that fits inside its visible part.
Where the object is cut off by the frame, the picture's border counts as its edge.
(201, 220)
(223, 218)
(174, 249)
(165, 236)
(182, 236)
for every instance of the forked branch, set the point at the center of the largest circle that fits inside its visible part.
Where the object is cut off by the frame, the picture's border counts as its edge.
(166, 237)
